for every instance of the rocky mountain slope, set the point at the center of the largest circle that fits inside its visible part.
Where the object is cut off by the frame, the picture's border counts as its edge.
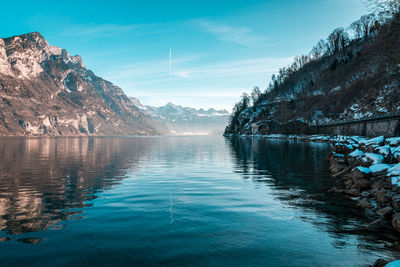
(341, 79)
(45, 91)
(175, 119)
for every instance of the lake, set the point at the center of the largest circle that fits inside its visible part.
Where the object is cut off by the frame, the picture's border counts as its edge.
(176, 201)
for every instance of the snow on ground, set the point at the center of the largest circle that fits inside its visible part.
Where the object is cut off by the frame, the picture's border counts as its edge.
(395, 170)
(394, 141)
(379, 167)
(375, 158)
(384, 150)
(356, 153)
(364, 169)
(374, 141)
(393, 264)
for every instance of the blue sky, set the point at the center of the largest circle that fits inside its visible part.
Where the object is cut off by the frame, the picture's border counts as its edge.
(220, 48)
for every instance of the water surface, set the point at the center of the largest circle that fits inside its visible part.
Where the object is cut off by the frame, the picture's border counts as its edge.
(197, 201)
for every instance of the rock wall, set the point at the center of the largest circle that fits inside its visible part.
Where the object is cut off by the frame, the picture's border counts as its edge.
(369, 128)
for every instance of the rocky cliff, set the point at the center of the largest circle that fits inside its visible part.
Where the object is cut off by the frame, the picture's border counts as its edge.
(45, 91)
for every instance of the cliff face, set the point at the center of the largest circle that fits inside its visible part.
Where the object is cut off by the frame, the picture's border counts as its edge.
(360, 81)
(45, 91)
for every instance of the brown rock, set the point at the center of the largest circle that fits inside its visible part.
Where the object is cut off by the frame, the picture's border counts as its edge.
(341, 149)
(336, 190)
(348, 183)
(338, 158)
(337, 167)
(352, 192)
(362, 184)
(380, 263)
(342, 172)
(385, 212)
(380, 196)
(377, 185)
(376, 225)
(363, 203)
(396, 221)
(396, 203)
(356, 174)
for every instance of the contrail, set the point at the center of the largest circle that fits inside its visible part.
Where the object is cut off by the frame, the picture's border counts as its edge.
(170, 65)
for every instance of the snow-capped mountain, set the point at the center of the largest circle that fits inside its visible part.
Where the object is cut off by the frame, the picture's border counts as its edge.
(45, 91)
(186, 120)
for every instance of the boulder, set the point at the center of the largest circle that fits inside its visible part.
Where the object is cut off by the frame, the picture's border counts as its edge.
(336, 190)
(352, 192)
(348, 183)
(376, 225)
(342, 172)
(362, 184)
(342, 148)
(380, 263)
(396, 221)
(380, 197)
(396, 203)
(360, 173)
(377, 185)
(385, 212)
(363, 203)
(337, 167)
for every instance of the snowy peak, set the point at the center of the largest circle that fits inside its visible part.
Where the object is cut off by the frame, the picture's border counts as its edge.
(185, 120)
(180, 113)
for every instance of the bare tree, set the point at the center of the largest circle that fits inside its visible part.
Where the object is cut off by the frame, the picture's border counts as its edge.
(366, 23)
(319, 50)
(245, 102)
(390, 7)
(337, 41)
(363, 26)
(357, 29)
(255, 94)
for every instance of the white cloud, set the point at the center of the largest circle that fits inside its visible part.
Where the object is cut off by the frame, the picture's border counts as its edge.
(232, 34)
(210, 84)
(158, 71)
(98, 31)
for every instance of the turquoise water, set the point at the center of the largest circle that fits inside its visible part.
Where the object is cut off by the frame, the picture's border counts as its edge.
(175, 201)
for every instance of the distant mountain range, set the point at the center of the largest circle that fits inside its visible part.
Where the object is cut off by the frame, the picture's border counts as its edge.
(45, 91)
(175, 119)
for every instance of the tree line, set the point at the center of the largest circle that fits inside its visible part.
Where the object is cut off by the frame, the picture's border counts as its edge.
(382, 11)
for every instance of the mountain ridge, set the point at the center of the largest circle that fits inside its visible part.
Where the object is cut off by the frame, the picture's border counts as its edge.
(178, 119)
(341, 79)
(45, 91)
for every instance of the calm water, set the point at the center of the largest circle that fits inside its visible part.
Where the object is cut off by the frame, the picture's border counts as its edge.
(194, 201)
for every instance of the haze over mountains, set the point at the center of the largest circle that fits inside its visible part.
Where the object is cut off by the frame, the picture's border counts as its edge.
(45, 91)
(186, 120)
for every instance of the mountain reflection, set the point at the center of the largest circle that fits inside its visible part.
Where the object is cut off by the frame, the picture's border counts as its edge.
(45, 181)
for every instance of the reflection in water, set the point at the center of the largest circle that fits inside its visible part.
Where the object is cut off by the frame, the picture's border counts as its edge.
(44, 181)
(298, 173)
(174, 201)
